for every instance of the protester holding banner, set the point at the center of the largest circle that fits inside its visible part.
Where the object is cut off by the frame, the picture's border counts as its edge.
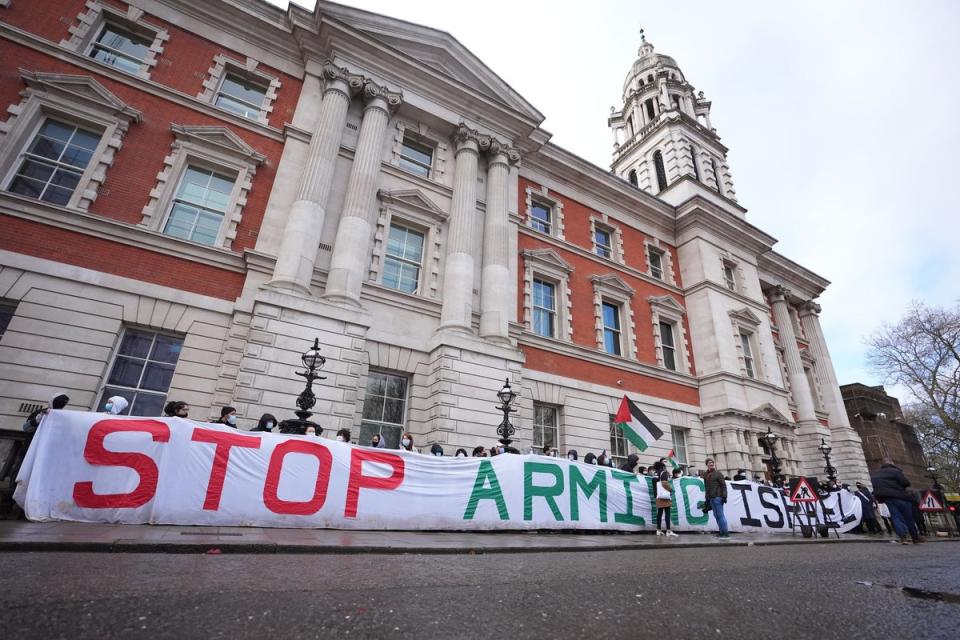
(228, 416)
(715, 487)
(176, 409)
(116, 405)
(343, 435)
(266, 423)
(630, 466)
(59, 401)
(664, 500)
(406, 441)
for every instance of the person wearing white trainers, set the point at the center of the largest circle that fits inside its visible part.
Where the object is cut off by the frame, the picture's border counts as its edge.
(664, 499)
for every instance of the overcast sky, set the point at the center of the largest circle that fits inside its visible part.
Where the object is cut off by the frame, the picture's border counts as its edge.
(839, 116)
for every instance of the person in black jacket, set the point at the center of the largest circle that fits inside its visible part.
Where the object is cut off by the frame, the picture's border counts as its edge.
(630, 465)
(890, 487)
(715, 487)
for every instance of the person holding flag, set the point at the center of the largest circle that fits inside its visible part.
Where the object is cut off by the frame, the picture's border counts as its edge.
(636, 426)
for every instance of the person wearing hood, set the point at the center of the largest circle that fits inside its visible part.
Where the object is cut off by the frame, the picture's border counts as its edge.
(740, 476)
(590, 459)
(176, 409)
(59, 401)
(266, 423)
(436, 450)
(228, 417)
(116, 405)
(630, 466)
(378, 441)
(572, 454)
(343, 435)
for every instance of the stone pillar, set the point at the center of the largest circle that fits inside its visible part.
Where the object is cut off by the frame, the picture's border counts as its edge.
(457, 310)
(301, 236)
(351, 248)
(810, 429)
(496, 286)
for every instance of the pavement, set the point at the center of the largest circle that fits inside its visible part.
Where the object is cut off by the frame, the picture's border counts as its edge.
(89, 537)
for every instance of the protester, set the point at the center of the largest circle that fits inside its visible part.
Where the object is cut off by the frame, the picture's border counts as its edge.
(630, 465)
(228, 416)
(479, 452)
(740, 476)
(641, 471)
(716, 490)
(890, 487)
(572, 454)
(406, 441)
(884, 512)
(310, 431)
(266, 423)
(460, 453)
(436, 450)
(602, 459)
(176, 409)
(590, 459)
(664, 500)
(58, 401)
(917, 514)
(869, 514)
(549, 451)
(677, 473)
(116, 405)
(377, 441)
(343, 435)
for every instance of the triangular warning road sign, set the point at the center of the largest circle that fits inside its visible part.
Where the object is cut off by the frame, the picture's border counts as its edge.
(930, 502)
(803, 491)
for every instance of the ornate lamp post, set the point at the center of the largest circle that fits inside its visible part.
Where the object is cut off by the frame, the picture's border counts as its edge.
(771, 439)
(830, 470)
(312, 360)
(506, 396)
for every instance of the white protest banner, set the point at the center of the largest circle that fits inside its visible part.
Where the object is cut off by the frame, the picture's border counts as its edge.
(93, 467)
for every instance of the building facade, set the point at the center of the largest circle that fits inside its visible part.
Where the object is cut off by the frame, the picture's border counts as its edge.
(192, 192)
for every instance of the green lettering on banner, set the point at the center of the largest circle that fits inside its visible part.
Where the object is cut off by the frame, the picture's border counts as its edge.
(485, 475)
(628, 517)
(685, 484)
(598, 483)
(548, 493)
(652, 492)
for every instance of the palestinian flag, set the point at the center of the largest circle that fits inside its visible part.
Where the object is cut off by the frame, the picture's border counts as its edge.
(636, 426)
(672, 459)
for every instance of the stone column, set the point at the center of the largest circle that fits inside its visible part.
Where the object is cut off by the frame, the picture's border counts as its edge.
(351, 248)
(301, 236)
(496, 290)
(457, 310)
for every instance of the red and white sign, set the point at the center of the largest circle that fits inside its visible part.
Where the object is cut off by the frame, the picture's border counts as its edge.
(930, 502)
(803, 492)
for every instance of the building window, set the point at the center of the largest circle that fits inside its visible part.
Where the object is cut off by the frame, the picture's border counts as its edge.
(618, 444)
(544, 308)
(668, 346)
(814, 390)
(716, 175)
(651, 113)
(384, 408)
(602, 240)
(747, 355)
(404, 255)
(6, 315)
(416, 157)
(53, 163)
(680, 445)
(546, 429)
(541, 217)
(142, 370)
(661, 171)
(656, 263)
(121, 48)
(199, 206)
(693, 161)
(729, 277)
(611, 329)
(242, 96)
(632, 177)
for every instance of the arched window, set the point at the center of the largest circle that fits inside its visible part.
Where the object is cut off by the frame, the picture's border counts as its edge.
(651, 114)
(693, 160)
(661, 172)
(716, 175)
(632, 177)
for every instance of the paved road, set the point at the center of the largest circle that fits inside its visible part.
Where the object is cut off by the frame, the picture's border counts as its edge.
(739, 592)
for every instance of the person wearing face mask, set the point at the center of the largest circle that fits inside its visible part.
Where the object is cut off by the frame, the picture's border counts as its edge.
(572, 454)
(406, 441)
(343, 435)
(310, 431)
(436, 450)
(590, 459)
(479, 452)
(59, 401)
(630, 466)
(176, 409)
(116, 405)
(228, 417)
(461, 453)
(266, 423)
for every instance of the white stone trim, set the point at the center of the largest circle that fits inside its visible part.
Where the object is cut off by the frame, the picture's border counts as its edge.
(616, 237)
(543, 196)
(612, 288)
(411, 208)
(422, 134)
(547, 264)
(739, 278)
(666, 309)
(248, 69)
(666, 258)
(78, 100)
(91, 22)
(213, 147)
(744, 321)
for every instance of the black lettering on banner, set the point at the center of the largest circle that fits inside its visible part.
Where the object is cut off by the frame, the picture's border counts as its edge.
(830, 511)
(787, 508)
(768, 498)
(748, 520)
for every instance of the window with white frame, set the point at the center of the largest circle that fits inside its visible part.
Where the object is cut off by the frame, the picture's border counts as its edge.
(612, 343)
(239, 87)
(384, 407)
(618, 443)
(655, 259)
(203, 186)
(544, 308)
(7, 311)
(243, 96)
(142, 370)
(668, 345)
(746, 343)
(680, 445)
(729, 276)
(121, 39)
(546, 426)
(544, 212)
(695, 162)
(603, 242)
(58, 142)
(416, 156)
(814, 389)
(541, 217)
(669, 333)
(403, 259)
(746, 324)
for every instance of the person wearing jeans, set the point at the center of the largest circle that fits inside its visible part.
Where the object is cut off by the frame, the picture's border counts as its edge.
(890, 487)
(715, 486)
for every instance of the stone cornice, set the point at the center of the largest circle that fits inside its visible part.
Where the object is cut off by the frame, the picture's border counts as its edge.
(699, 214)
(727, 377)
(713, 286)
(776, 269)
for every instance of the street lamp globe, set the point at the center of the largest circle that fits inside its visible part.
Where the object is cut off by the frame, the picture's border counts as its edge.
(311, 358)
(824, 448)
(770, 438)
(506, 395)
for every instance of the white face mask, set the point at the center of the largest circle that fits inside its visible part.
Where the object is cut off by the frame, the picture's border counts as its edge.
(570, 458)
(461, 455)
(108, 406)
(339, 438)
(231, 420)
(311, 433)
(269, 425)
(405, 442)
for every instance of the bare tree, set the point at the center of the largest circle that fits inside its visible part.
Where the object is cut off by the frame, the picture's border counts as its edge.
(922, 353)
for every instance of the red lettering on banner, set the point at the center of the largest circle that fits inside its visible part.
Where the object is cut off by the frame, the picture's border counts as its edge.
(142, 464)
(221, 458)
(359, 481)
(311, 506)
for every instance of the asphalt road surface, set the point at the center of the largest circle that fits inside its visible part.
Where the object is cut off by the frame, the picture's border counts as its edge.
(812, 591)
